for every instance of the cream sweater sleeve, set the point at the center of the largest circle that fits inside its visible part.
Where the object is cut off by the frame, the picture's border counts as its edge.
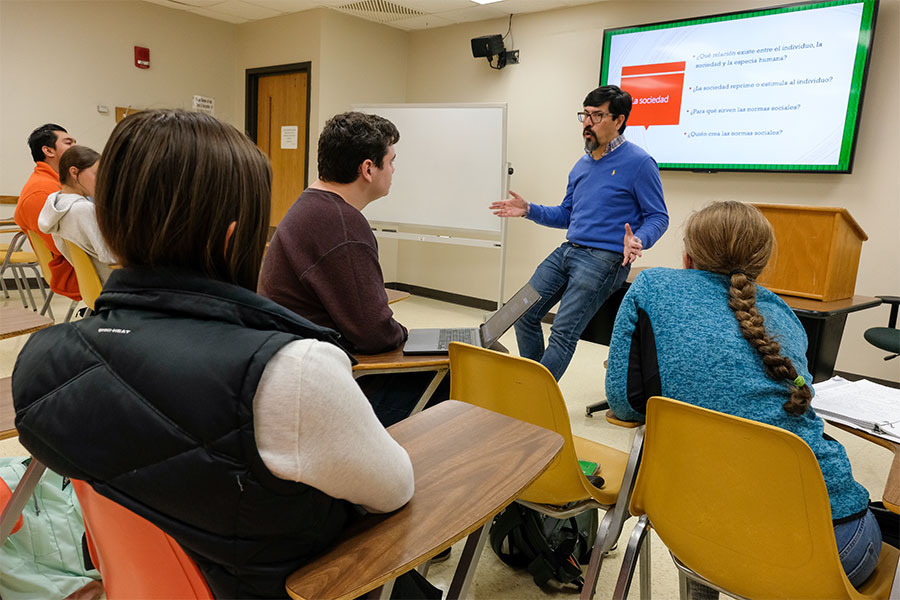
(314, 425)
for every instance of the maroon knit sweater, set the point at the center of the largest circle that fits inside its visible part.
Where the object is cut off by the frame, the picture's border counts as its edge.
(322, 264)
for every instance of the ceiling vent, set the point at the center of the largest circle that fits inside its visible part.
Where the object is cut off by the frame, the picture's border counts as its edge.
(380, 11)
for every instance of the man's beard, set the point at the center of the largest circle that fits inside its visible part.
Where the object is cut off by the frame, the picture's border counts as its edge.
(590, 142)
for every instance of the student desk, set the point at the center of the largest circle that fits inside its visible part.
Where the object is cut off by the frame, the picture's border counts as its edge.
(469, 464)
(822, 321)
(33, 472)
(891, 495)
(7, 411)
(20, 321)
(395, 295)
(17, 321)
(397, 362)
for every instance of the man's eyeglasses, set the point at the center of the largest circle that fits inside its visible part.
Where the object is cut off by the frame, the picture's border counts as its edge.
(594, 117)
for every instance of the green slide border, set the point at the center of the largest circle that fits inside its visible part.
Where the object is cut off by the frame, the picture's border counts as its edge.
(854, 103)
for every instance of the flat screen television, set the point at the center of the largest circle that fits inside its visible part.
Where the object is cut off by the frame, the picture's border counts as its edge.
(770, 89)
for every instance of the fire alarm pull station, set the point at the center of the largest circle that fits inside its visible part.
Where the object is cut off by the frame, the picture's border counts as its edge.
(141, 57)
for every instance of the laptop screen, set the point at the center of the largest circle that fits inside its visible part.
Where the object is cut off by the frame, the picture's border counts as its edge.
(508, 314)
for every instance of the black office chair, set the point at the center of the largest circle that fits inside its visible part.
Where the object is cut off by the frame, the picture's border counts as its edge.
(887, 338)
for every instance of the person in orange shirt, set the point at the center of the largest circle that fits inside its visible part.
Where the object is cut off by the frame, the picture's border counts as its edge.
(47, 143)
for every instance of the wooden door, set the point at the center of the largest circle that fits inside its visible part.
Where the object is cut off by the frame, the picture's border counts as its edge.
(281, 122)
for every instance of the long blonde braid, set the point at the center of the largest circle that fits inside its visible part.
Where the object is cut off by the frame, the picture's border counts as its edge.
(735, 239)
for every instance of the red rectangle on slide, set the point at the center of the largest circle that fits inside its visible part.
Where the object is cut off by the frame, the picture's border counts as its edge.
(655, 91)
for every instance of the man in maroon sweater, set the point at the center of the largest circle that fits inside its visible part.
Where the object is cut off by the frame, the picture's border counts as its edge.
(322, 262)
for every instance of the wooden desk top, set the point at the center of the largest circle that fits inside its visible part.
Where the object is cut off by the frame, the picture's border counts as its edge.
(395, 295)
(820, 309)
(395, 359)
(19, 321)
(806, 306)
(469, 464)
(7, 411)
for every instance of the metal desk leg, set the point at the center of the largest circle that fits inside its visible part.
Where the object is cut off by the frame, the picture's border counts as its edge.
(465, 570)
(382, 592)
(20, 497)
(429, 391)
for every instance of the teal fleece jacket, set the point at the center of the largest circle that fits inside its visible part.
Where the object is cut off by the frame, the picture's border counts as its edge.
(675, 336)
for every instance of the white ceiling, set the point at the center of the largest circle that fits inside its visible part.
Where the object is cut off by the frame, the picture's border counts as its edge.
(402, 14)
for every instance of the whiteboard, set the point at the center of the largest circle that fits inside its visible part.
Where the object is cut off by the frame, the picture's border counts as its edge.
(450, 165)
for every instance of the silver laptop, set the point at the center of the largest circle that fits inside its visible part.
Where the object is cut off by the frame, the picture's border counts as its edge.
(437, 341)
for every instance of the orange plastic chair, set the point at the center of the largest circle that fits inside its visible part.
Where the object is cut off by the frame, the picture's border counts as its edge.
(136, 558)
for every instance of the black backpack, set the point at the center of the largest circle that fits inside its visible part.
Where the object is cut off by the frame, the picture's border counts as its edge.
(550, 549)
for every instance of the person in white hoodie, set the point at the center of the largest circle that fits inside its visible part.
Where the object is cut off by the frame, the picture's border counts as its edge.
(68, 215)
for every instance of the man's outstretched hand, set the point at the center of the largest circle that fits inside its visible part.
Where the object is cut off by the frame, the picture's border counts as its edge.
(633, 246)
(514, 206)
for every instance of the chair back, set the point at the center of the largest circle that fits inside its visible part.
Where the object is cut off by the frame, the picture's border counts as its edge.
(86, 273)
(44, 256)
(525, 390)
(135, 558)
(740, 503)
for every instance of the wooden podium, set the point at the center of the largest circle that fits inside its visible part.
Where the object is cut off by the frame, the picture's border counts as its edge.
(816, 251)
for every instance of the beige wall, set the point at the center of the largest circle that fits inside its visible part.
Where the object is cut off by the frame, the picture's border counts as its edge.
(353, 61)
(560, 58)
(61, 59)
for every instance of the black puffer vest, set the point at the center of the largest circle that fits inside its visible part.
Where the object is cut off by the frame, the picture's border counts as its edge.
(151, 401)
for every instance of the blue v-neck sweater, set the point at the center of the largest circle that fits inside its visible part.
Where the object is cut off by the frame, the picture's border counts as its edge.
(604, 194)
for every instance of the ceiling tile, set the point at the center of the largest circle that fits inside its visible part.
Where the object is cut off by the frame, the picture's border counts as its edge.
(473, 13)
(218, 15)
(424, 22)
(526, 6)
(434, 6)
(286, 6)
(197, 3)
(239, 8)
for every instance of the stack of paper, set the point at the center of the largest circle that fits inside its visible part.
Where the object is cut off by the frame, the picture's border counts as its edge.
(861, 404)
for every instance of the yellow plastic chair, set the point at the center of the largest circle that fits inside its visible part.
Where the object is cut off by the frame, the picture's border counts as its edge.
(86, 273)
(525, 390)
(742, 508)
(44, 256)
(17, 260)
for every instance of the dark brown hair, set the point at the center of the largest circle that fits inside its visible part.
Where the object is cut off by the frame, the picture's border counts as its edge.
(350, 138)
(80, 157)
(169, 185)
(735, 239)
(45, 135)
(619, 102)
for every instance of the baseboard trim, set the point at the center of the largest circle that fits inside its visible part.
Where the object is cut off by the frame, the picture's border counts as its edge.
(11, 283)
(461, 299)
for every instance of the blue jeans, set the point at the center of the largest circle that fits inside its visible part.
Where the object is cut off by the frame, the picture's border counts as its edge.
(858, 543)
(580, 279)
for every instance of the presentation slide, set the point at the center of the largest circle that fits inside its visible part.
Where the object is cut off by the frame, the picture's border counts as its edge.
(771, 89)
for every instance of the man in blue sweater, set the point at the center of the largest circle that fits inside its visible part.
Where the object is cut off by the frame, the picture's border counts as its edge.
(614, 190)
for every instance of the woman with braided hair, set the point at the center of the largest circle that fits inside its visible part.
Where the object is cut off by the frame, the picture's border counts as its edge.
(710, 336)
